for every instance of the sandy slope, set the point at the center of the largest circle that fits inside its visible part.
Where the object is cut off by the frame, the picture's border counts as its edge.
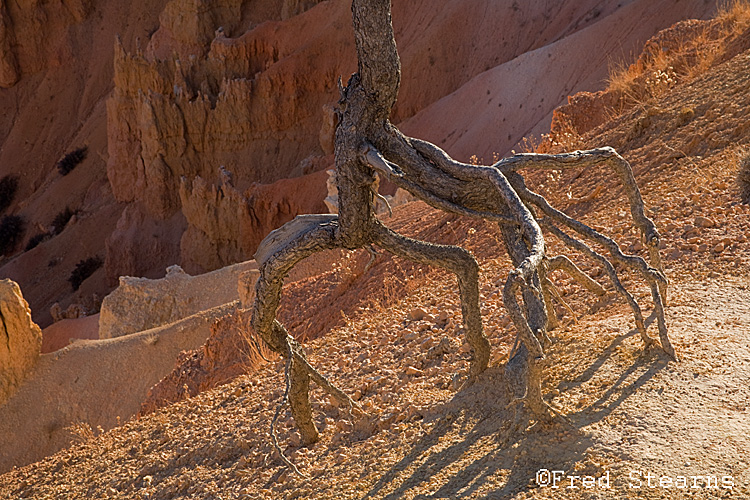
(93, 382)
(490, 113)
(632, 412)
(60, 334)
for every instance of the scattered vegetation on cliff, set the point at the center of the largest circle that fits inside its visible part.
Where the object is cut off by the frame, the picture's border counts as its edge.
(11, 233)
(61, 220)
(8, 189)
(83, 270)
(71, 160)
(36, 240)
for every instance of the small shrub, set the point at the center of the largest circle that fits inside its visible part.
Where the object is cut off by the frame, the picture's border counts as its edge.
(743, 178)
(11, 233)
(83, 270)
(36, 240)
(71, 160)
(686, 114)
(736, 13)
(8, 189)
(61, 220)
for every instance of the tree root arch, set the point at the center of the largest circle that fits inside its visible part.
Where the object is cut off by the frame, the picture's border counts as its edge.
(367, 145)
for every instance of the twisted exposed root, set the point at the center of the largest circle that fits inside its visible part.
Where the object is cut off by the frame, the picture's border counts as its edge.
(284, 399)
(394, 174)
(611, 273)
(321, 381)
(466, 269)
(277, 254)
(523, 238)
(607, 156)
(513, 284)
(583, 279)
(529, 259)
(654, 277)
(549, 289)
(373, 255)
(523, 373)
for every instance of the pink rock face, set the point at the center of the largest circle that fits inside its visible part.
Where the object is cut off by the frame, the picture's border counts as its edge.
(33, 37)
(253, 103)
(60, 334)
(139, 244)
(225, 225)
(494, 110)
(205, 93)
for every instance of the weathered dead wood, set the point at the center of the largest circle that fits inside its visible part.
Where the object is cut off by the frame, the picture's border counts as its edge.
(583, 279)
(368, 144)
(464, 266)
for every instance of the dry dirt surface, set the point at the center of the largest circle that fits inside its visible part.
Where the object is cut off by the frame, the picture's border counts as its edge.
(632, 413)
(638, 425)
(60, 334)
(96, 383)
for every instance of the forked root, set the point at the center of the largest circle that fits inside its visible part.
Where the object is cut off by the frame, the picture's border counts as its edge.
(654, 277)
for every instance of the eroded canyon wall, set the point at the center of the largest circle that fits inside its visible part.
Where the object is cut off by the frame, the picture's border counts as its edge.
(190, 86)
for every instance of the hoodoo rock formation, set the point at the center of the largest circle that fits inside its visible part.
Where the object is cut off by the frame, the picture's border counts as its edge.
(20, 339)
(226, 225)
(186, 115)
(27, 36)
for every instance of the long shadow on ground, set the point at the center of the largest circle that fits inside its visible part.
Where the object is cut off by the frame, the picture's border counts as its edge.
(479, 437)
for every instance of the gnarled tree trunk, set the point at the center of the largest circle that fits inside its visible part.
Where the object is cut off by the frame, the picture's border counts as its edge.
(368, 144)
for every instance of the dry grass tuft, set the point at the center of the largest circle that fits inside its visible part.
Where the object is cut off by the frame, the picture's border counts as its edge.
(641, 81)
(679, 55)
(562, 138)
(82, 432)
(735, 13)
